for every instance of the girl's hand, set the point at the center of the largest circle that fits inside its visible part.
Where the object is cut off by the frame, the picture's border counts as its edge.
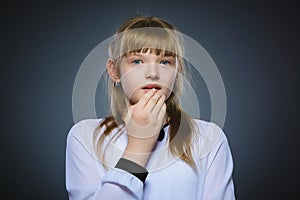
(143, 123)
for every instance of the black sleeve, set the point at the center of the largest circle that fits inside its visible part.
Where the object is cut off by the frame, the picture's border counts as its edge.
(133, 168)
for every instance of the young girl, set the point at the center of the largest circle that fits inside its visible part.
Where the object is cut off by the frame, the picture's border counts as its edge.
(149, 148)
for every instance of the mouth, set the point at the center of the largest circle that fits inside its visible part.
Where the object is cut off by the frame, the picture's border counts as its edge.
(151, 86)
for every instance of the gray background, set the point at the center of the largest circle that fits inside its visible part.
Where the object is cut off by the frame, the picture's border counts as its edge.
(255, 45)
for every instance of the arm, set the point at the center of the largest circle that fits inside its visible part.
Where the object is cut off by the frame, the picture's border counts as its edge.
(219, 182)
(143, 123)
(84, 179)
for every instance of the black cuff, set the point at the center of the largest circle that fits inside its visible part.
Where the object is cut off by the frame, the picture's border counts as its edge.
(133, 168)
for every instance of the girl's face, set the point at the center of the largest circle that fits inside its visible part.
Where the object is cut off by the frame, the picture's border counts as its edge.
(140, 72)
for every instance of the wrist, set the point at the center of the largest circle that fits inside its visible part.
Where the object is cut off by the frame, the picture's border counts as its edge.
(141, 145)
(136, 156)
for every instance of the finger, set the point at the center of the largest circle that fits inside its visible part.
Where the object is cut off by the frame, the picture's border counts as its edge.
(155, 111)
(144, 100)
(152, 102)
(162, 113)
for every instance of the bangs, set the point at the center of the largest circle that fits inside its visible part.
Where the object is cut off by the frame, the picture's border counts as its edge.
(158, 52)
(160, 41)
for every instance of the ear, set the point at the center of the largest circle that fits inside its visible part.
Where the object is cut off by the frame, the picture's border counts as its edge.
(112, 70)
(180, 68)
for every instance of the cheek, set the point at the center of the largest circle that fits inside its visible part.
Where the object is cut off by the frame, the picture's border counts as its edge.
(128, 86)
(167, 78)
(131, 81)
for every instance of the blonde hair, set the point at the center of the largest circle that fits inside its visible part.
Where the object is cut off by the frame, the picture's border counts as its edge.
(142, 34)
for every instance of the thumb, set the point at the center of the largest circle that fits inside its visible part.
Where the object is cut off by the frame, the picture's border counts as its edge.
(132, 108)
(129, 113)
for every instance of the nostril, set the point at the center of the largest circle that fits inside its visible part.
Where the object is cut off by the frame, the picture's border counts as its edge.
(153, 76)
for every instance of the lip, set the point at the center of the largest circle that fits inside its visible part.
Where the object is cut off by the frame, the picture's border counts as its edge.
(151, 86)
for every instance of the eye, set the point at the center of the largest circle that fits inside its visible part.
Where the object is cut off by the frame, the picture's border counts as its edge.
(137, 62)
(165, 62)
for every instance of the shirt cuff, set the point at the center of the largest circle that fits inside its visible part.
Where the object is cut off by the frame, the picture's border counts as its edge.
(133, 168)
(124, 179)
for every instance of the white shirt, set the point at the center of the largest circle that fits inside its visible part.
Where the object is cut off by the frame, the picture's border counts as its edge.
(169, 178)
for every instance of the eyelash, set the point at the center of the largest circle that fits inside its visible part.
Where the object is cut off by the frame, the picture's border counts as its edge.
(139, 60)
(169, 63)
(134, 61)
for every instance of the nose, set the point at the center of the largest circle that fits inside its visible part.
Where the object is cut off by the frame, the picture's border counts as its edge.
(152, 72)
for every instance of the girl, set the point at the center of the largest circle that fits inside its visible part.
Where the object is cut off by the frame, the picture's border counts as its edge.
(149, 148)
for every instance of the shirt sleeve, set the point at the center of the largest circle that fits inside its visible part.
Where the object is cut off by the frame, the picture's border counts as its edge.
(84, 179)
(219, 182)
